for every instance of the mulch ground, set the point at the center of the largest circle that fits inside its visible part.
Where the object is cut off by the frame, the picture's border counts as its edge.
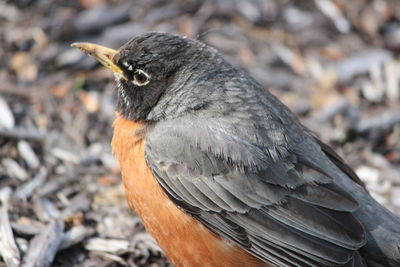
(334, 63)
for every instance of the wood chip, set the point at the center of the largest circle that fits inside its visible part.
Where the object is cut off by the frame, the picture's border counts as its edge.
(27, 153)
(6, 116)
(43, 247)
(379, 122)
(75, 236)
(333, 12)
(392, 75)
(90, 100)
(27, 226)
(8, 248)
(14, 169)
(44, 209)
(23, 133)
(26, 190)
(360, 63)
(24, 66)
(65, 155)
(5, 194)
(113, 246)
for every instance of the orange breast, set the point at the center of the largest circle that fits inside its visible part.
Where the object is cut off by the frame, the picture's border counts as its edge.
(185, 241)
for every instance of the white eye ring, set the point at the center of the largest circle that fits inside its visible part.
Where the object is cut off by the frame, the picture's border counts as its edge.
(140, 77)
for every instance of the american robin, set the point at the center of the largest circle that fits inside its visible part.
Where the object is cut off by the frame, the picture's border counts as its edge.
(223, 174)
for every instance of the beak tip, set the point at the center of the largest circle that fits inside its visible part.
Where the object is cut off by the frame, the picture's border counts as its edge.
(101, 53)
(77, 45)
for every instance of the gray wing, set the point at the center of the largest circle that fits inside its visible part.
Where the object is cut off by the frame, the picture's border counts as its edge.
(277, 203)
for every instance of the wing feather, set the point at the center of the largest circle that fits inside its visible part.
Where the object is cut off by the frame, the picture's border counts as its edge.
(281, 206)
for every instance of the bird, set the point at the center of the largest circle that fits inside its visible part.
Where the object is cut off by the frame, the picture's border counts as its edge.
(222, 173)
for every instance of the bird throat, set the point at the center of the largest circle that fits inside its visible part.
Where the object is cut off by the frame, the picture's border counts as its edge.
(131, 103)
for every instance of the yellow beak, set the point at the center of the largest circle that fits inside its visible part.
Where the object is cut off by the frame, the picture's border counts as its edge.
(102, 54)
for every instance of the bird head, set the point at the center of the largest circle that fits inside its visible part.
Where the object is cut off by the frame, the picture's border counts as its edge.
(159, 75)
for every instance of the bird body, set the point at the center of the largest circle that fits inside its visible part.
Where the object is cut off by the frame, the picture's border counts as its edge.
(223, 174)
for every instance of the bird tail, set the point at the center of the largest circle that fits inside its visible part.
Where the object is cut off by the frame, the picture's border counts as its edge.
(381, 226)
(383, 236)
(357, 261)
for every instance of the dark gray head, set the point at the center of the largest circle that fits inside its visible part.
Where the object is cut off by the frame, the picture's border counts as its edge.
(163, 75)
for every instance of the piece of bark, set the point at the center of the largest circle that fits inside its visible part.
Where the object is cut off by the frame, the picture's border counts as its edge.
(44, 246)
(8, 248)
(113, 246)
(27, 226)
(27, 189)
(23, 133)
(380, 122)
(75, 236)
(7, 119)
(44, 209)
(27, 153)
(14, 169)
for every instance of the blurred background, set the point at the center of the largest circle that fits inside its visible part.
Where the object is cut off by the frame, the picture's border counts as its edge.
(334, 63)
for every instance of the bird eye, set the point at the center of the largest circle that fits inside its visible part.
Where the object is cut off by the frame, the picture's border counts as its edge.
(140, 77)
